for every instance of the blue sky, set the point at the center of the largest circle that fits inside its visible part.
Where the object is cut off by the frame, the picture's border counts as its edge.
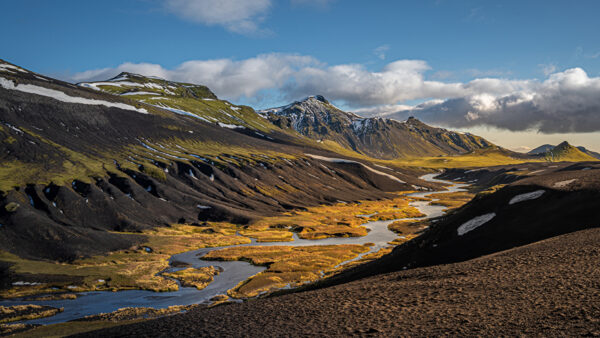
(372, 57)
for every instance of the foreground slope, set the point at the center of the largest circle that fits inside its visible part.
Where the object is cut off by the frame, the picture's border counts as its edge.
(548, 288)
(317, 118)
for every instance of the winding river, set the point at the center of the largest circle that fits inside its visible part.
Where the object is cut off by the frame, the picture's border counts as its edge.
(95, 302)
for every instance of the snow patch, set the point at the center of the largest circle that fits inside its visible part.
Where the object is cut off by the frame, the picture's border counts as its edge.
(475, 223)
(230, 126)
(60, 96)
(526, 197)
(9, 68)
(563, 184)
(139, 93)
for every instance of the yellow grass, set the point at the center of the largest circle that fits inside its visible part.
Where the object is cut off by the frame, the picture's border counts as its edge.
(287, 265)
(194, 277)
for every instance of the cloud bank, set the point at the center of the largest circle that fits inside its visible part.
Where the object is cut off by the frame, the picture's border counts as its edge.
(567, 101)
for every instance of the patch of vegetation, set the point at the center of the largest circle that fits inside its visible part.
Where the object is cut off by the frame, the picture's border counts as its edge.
(26, 312)
(339, 220)
(194, 277)
(451, 200)
(288, 266)
(122, 270)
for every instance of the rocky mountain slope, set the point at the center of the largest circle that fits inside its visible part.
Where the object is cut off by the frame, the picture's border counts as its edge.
(318, 119)
(78, 164)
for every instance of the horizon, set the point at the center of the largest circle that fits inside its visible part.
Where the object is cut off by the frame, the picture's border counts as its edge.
(472, 68)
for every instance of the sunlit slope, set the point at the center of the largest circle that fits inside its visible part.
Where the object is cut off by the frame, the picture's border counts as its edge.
(567, 153)
(182, 98)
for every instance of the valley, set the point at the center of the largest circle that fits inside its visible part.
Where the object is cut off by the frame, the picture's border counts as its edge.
(139, 192)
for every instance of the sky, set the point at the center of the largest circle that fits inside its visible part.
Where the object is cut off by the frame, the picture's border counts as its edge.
(521, 73)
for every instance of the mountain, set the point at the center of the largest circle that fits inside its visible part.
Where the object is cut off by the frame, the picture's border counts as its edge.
(589, 152)
(566, 152)
(182, 98)
(80, 166)
(317, 118)
(541, 149)
(548, 148)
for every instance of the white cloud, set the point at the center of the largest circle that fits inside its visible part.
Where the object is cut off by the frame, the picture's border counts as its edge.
(239, 16)
(227, 78)
(567, 101)
(380, 51)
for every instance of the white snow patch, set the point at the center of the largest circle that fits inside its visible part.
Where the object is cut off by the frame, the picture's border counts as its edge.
(536, 172)
(181, 112)
(60, 96)
(526, 197)
(230, 126)
(563, 184)
(7, 67)
(21, 283)
(139, 93)
(475, 223)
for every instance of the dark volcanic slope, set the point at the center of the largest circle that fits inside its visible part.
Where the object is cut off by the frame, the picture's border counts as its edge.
(550, 288)
(318, 119)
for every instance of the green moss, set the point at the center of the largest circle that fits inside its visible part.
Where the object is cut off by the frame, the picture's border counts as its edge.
(155, 172)
(12, 207)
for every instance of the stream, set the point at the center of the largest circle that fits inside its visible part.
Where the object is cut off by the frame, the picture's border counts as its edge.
(233, 272)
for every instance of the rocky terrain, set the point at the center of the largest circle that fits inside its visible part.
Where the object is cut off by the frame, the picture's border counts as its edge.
(318, 119)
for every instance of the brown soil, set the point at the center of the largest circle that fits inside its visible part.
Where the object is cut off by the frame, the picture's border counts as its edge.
(549, 288)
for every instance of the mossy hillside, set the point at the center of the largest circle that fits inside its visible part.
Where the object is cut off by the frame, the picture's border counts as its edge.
(183, 98)
(567, 153)
(61, 165)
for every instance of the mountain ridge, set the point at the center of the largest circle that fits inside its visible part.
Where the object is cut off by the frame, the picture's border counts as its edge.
(317, 118)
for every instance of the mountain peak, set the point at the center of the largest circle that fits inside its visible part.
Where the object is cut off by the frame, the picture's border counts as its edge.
(320, 98)
(563, 144)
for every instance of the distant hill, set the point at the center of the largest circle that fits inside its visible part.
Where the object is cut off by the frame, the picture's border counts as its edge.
(564, 152)
(541, 149)
(589, 152)
(317, 118)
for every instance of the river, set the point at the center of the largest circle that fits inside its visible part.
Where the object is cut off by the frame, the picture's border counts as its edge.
(95, 302)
